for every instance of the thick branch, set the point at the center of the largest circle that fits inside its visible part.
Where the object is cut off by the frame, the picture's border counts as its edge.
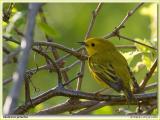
(26, 45)
(66, 107)
(58, 91)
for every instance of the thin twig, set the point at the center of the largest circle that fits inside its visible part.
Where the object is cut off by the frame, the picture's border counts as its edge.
(68, 82)
(61, 47)
(53, 63)
(92, 108)
(126, 46)
(124, 111)
(65, 107)
(132, 40)
(151, 86)
(11, 39)
(7, 14)
(150, 110)
(10, 56)
(82, 68)
(94, 15)
(122, 24)
(5, 82)
(44, 67)
(81, 73)
(54, 50)
(70, 66)
(148, 75)
(5, 50)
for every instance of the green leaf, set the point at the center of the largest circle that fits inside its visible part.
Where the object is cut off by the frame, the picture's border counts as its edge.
(131, 55)
(143, 48)
(50, 31)
(104, 110)
(12, 44)
(155, 112)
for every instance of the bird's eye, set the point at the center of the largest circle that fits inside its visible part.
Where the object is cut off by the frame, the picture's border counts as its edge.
(92, 44)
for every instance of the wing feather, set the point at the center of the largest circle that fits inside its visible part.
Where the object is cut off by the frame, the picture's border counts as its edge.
(107, 74)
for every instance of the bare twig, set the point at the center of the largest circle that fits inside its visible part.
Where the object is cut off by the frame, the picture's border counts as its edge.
(10, 56)
(81, 73)
(7, 14)
(70, 66)
(5, 82)
(53, 63)
(94, 15)
(66, 107)
(54, 50)
(82, 68)
(92, 108)
(132, 40)
(5, 50)
(58, 46)
(126, 47)
(68, 82)
(45, 67)
(18, 77)
(148, 75)
(8, 52)
(68, 55)
(150, 110)
(121, 25)
(70, 51)
(11, 39)
(115, 32)
(151, 86)
(27, 91)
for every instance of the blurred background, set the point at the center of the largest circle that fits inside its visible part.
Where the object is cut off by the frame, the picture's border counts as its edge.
(67, 25)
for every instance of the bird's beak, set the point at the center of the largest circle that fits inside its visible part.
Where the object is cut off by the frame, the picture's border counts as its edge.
(82, 43)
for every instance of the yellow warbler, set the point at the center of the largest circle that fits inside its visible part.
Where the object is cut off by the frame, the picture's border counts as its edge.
(108, 66)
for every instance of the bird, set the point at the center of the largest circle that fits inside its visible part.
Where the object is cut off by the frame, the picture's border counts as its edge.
(108, 66)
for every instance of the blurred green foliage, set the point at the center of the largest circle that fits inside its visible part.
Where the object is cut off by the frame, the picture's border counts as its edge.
(67, 24)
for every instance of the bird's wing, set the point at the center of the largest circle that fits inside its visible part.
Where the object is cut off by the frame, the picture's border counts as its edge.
(120, 66)
(108, 75)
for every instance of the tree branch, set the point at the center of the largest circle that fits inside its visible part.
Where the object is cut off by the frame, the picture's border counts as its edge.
(58, 91)
(26, 45)
(68, 50)
(148, 75)
(121, 25)
(151, 86)
(66, 107)
(10, 56)
(94, 15)
(132, 40)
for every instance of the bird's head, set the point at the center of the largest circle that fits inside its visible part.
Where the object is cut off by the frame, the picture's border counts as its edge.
(96, 45)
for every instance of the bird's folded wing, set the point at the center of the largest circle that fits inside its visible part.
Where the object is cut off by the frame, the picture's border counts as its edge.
(108, 75)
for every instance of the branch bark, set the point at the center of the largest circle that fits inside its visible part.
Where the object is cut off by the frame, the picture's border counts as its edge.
(26, 45)
(148, 75)
(60, 91)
